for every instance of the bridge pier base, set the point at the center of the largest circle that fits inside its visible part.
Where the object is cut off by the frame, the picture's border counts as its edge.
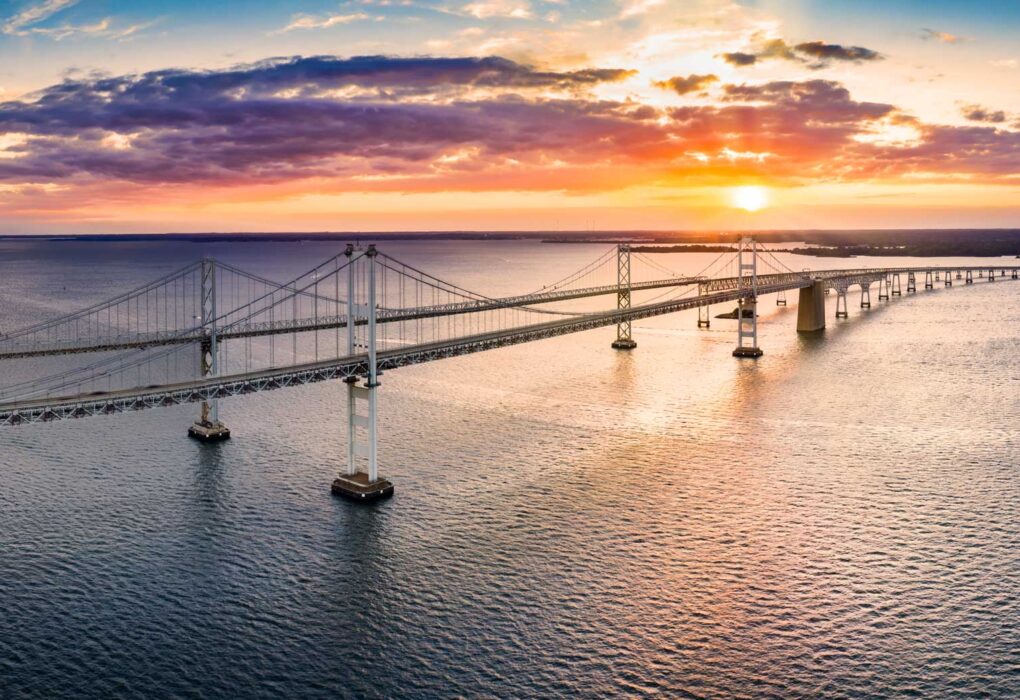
(811, 308)
(209, 431)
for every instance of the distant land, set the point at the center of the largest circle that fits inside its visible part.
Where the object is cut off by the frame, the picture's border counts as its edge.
(823, 243)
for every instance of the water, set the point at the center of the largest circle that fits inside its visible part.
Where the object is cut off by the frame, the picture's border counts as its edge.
(838, 519)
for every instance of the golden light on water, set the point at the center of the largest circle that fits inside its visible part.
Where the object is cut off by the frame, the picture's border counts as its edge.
(749, 197)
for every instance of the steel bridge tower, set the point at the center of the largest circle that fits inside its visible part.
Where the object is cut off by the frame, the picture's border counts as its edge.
(362, 485)
(747, 305)
(623, 340)
(208, 427)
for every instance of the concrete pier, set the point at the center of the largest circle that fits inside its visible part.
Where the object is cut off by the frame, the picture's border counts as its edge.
(209, 431)
(624, 344)
(358, 487)
(811, 308)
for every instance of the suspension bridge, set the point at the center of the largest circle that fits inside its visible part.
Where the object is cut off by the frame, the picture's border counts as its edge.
(211, 331)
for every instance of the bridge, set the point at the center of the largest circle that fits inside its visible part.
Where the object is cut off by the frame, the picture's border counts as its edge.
(211, 331)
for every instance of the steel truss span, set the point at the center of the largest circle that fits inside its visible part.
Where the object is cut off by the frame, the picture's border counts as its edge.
(350, 292)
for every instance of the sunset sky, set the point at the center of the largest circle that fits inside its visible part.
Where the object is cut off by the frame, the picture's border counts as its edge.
(120, 116)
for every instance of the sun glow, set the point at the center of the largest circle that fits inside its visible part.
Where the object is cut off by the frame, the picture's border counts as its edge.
(749, 197)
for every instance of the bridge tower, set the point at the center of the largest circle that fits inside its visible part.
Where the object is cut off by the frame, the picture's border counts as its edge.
(208, 427)
(623, 340)
(866, 295)
(354, 484)
(747, 305)
(704, 312)
(928, 284)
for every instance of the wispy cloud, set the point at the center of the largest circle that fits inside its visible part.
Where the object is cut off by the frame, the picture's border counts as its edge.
(685, 85)
(634, 8)
(817, 54)
(486, 9)
(945, 37)
(36, 13)
(977, 113)
(302, 21)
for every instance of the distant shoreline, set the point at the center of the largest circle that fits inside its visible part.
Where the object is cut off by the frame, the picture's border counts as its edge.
(824, 243)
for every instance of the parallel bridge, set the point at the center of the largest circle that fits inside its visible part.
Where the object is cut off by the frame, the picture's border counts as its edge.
(385, 323)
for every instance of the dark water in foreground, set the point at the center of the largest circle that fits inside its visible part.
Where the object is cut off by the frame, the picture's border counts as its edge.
(838, 519)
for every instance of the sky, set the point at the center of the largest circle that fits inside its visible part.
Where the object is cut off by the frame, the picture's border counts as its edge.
(433, 115)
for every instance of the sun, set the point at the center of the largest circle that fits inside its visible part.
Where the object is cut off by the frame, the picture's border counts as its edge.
(749, 197)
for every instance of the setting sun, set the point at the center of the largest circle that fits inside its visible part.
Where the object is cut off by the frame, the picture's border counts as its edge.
(749, 197)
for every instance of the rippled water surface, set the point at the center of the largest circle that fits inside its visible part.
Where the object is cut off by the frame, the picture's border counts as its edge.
(840, 518)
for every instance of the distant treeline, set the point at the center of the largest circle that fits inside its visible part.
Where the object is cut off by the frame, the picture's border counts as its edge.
(682, 248)
(933, 249)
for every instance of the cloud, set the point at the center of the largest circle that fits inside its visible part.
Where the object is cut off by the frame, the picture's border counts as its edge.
(834, 52)
(685, 85)
(33, 14)
(302, 21)
(977, 113)
(486, 9)
(634, 8)
(739, 58)
(378, 123)
(944, 37)
(817, 54)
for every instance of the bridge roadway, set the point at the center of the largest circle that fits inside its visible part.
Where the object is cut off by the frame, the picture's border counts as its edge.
(250, 329)
(208, 388)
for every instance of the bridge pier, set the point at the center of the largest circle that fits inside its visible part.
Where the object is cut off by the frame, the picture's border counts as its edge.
(958, 275)
(865, 295)
(991, 275)
(781, 298)
(623, 340)
(841, 310)
(928, 284)
(1014, 276)
(883, 283)
(896, 285)
(949, 280)
(704, 312)
(811, 308)
(911, 283)
(970, 277)
(747, 306)
(937, 276)
(354, 484)
(208, 427)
